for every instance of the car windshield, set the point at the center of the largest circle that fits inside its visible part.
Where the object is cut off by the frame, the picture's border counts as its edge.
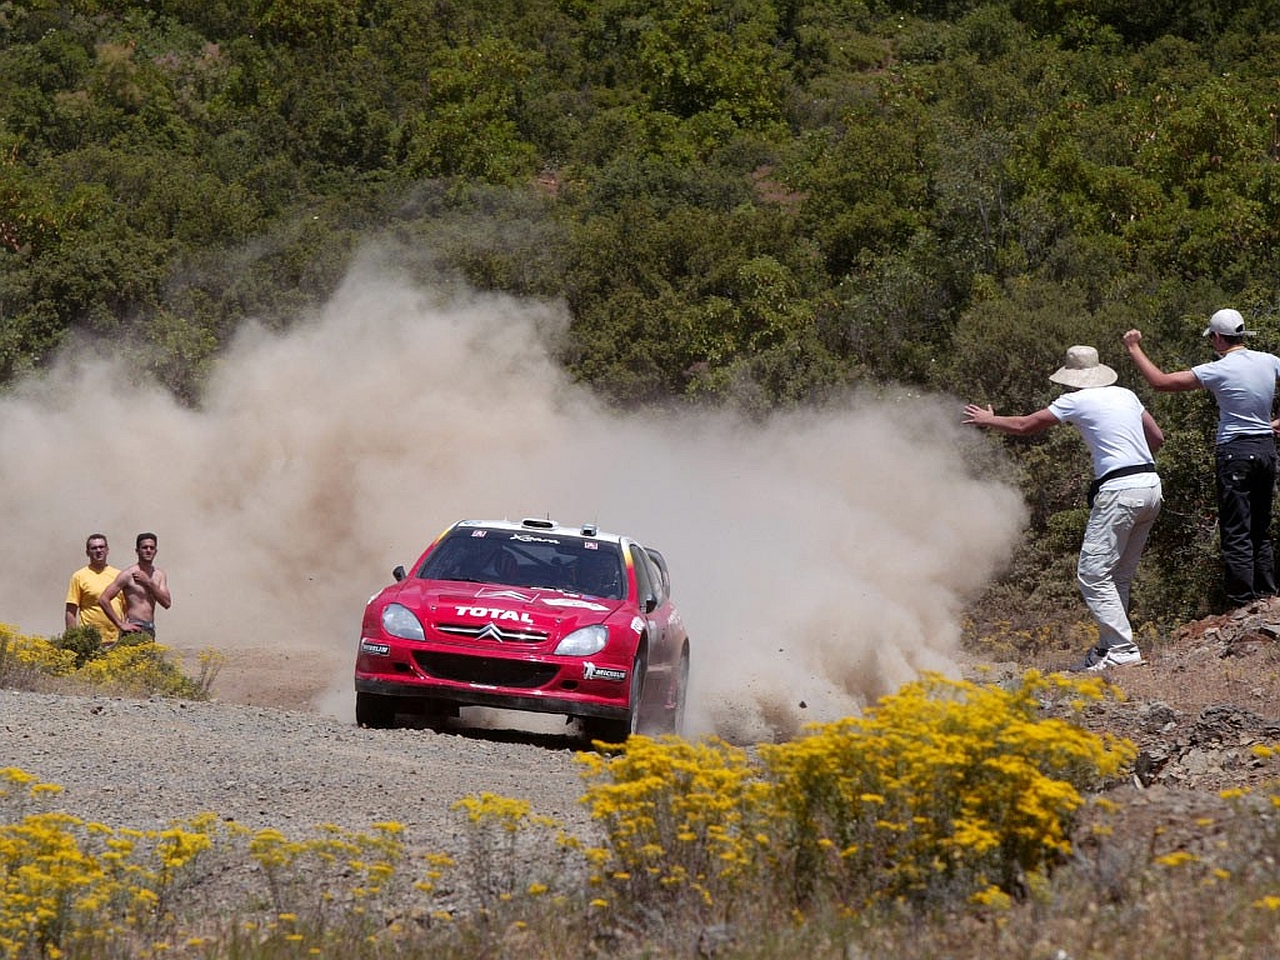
(519, 559)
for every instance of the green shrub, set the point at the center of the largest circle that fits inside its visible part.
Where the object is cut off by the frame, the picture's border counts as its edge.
(84, 642)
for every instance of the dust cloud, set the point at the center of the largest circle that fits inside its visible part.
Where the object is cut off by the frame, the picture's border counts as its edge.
(819, 559)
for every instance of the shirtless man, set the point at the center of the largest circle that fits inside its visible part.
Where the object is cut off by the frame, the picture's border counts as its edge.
(143, 585)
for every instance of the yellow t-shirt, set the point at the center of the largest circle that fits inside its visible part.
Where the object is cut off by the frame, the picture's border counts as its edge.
(85, 589)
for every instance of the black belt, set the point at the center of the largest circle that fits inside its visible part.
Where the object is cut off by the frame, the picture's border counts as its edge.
(1118, 472)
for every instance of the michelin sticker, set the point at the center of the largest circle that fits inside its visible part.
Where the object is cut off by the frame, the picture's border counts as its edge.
(377, 649)
(591, 672)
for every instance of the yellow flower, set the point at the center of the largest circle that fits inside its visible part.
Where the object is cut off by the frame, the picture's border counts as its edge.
(1177, 859)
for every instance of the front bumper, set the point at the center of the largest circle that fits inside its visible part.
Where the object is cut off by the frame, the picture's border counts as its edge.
(471, 696)
(589, 687)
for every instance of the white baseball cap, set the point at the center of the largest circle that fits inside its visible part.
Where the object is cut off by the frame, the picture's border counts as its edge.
(1228, 323)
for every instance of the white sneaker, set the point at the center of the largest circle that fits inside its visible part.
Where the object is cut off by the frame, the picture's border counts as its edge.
(1098, 659)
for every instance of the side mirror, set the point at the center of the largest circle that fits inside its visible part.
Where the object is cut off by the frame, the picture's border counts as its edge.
(650, 603)
(398, 573)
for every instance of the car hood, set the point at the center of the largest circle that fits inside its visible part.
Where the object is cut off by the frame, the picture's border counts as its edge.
(546, 609)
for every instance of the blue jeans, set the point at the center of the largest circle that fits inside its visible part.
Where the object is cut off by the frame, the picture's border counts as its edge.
(1118, 527)
(1245, 470)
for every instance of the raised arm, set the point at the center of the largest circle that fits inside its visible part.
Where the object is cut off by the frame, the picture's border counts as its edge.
(158, 585)
(1166, 382)
(1024, 426)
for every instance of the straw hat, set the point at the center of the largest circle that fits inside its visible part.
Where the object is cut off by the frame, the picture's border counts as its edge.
(1082, 369)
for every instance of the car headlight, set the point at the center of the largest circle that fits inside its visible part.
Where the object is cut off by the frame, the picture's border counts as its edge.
(584, 642)
(399, 621)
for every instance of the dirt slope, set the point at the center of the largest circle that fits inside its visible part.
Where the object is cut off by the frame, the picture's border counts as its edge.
(1206, 695)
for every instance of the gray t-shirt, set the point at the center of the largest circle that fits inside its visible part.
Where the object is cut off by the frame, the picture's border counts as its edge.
(1244, 384)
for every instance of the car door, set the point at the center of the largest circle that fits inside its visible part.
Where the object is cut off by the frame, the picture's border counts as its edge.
(651, 582)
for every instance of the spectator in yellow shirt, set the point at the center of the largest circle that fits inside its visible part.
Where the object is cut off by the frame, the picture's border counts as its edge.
(87, 585)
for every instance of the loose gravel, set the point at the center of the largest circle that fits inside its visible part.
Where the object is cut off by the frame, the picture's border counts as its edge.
(143, 764)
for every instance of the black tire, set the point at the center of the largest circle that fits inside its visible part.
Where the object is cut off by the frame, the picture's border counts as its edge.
(668, 716)
(675, 717)
(375, 710)
(436, 714)
(617, 731)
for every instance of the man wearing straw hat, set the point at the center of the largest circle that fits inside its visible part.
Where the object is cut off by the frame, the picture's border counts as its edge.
(1243, 382)
(1124, 499)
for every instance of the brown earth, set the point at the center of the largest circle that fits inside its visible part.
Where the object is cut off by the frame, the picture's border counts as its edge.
(1207, 694)
(271, 676)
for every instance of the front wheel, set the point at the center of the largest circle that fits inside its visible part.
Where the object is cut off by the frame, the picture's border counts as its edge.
(375, 710)
(617, 731)
(679, 693)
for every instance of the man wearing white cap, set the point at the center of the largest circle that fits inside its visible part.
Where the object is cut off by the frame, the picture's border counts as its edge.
(1124, 499)
(1243, 382)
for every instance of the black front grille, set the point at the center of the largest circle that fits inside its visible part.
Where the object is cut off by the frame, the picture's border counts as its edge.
(488, 670)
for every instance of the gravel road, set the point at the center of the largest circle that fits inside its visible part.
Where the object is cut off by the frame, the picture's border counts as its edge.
(142, 764)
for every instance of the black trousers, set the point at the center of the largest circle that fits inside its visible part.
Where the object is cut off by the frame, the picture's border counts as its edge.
(1245, 469)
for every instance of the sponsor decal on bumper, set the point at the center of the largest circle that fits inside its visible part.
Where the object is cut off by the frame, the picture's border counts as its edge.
(376, 649)
(591, 672)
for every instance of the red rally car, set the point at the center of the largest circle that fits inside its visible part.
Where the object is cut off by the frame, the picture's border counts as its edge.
(527, 615)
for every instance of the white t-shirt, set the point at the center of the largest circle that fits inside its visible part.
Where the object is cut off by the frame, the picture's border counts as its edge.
(1110, 421)
(1244, 384)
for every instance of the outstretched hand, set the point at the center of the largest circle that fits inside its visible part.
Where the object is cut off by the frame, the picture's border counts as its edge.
(978, 416)
(1132, 338)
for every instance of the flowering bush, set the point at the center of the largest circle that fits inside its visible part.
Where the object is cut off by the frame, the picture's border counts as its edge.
(339, 874)
(680, 818)
(135, 665)
(943, 788)
(941, 794)
(498, 831)
(71, 886)
(22, 657)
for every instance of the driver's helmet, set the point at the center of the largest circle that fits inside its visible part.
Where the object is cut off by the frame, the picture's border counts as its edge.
(505, 567)
(598, 573)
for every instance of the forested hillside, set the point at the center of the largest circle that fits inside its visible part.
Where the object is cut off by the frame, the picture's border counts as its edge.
(756, 202)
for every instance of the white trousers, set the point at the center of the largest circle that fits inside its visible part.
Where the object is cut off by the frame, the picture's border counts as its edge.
(1119, 525)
